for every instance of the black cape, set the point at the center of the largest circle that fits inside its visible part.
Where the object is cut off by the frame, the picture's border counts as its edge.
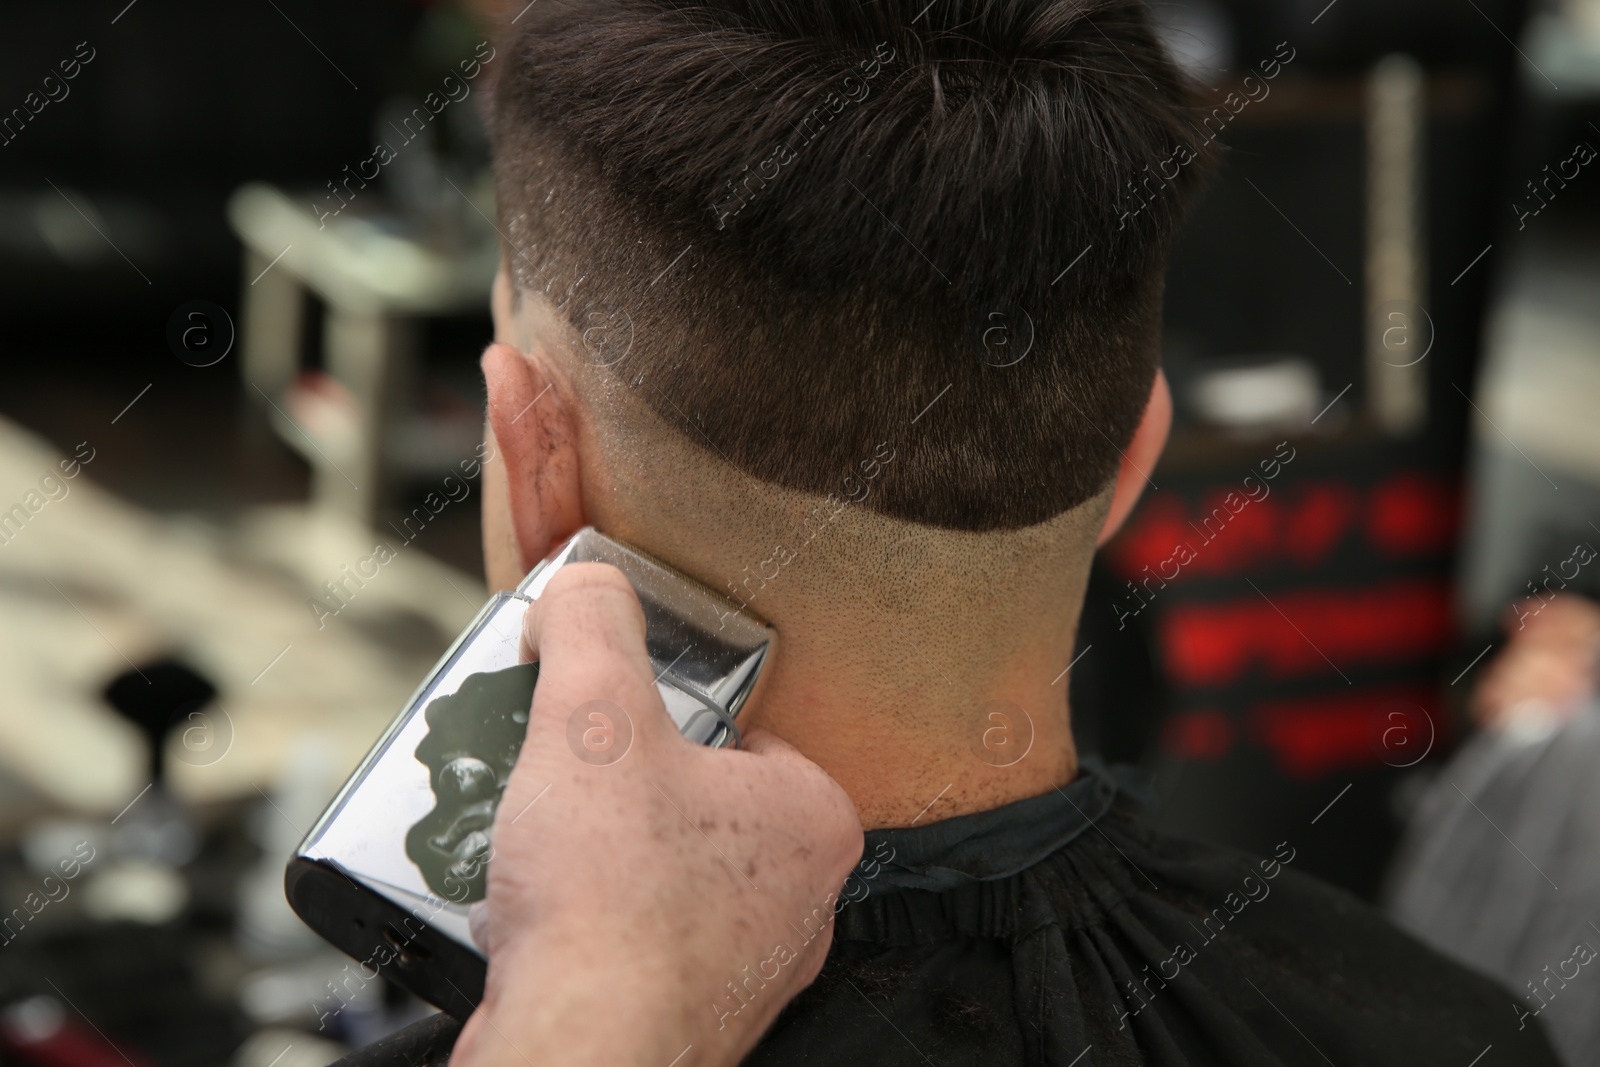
(1063, 930)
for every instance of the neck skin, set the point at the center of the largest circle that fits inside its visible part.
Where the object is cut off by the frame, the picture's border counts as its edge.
(937, 687)
(924, 670)
(916, 731)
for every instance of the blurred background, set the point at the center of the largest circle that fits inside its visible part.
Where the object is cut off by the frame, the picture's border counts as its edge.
(240, 382)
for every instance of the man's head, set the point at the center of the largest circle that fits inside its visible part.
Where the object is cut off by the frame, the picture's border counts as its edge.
(788, 227)
(865, 290)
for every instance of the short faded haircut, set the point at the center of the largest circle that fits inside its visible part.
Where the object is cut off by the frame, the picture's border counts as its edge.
(818, 220)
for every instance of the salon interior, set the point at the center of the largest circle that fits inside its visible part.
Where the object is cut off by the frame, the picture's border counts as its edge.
(1358, 608)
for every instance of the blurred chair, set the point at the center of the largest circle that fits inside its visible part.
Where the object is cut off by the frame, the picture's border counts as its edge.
(377, 282)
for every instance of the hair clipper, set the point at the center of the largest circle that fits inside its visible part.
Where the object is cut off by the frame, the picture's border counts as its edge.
(391, 868)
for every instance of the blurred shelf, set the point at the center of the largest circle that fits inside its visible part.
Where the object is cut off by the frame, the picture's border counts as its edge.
(1564, 55)
(359, 263)
(355, 421)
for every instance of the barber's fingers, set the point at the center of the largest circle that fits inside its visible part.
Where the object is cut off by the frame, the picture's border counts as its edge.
(588, 631)
(816, 786)
(769, 745)
(831, 815)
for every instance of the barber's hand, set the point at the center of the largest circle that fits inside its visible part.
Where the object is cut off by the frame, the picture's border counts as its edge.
(626, 894)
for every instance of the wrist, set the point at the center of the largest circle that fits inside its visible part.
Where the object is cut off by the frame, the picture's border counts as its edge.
(576, 1001)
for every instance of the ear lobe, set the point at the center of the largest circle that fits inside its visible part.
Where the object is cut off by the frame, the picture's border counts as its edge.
(537, 441)
(1140, 457)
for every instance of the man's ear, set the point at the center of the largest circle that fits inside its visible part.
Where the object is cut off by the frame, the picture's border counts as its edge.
(535, 438)
(1140, 457)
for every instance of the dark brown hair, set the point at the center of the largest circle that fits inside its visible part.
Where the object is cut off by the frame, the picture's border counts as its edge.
(807, 227)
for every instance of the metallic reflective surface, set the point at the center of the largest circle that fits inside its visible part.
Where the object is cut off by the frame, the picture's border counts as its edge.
(708, 656)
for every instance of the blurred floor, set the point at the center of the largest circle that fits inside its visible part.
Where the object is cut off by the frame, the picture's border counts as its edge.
(219, 567)
(94, 586)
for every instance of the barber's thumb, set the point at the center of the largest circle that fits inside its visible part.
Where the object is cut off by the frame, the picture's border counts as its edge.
(594, 599)
(587, 626)
(595, 677)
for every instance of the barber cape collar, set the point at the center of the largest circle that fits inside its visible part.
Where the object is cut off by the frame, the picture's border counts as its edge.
(986, 846)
